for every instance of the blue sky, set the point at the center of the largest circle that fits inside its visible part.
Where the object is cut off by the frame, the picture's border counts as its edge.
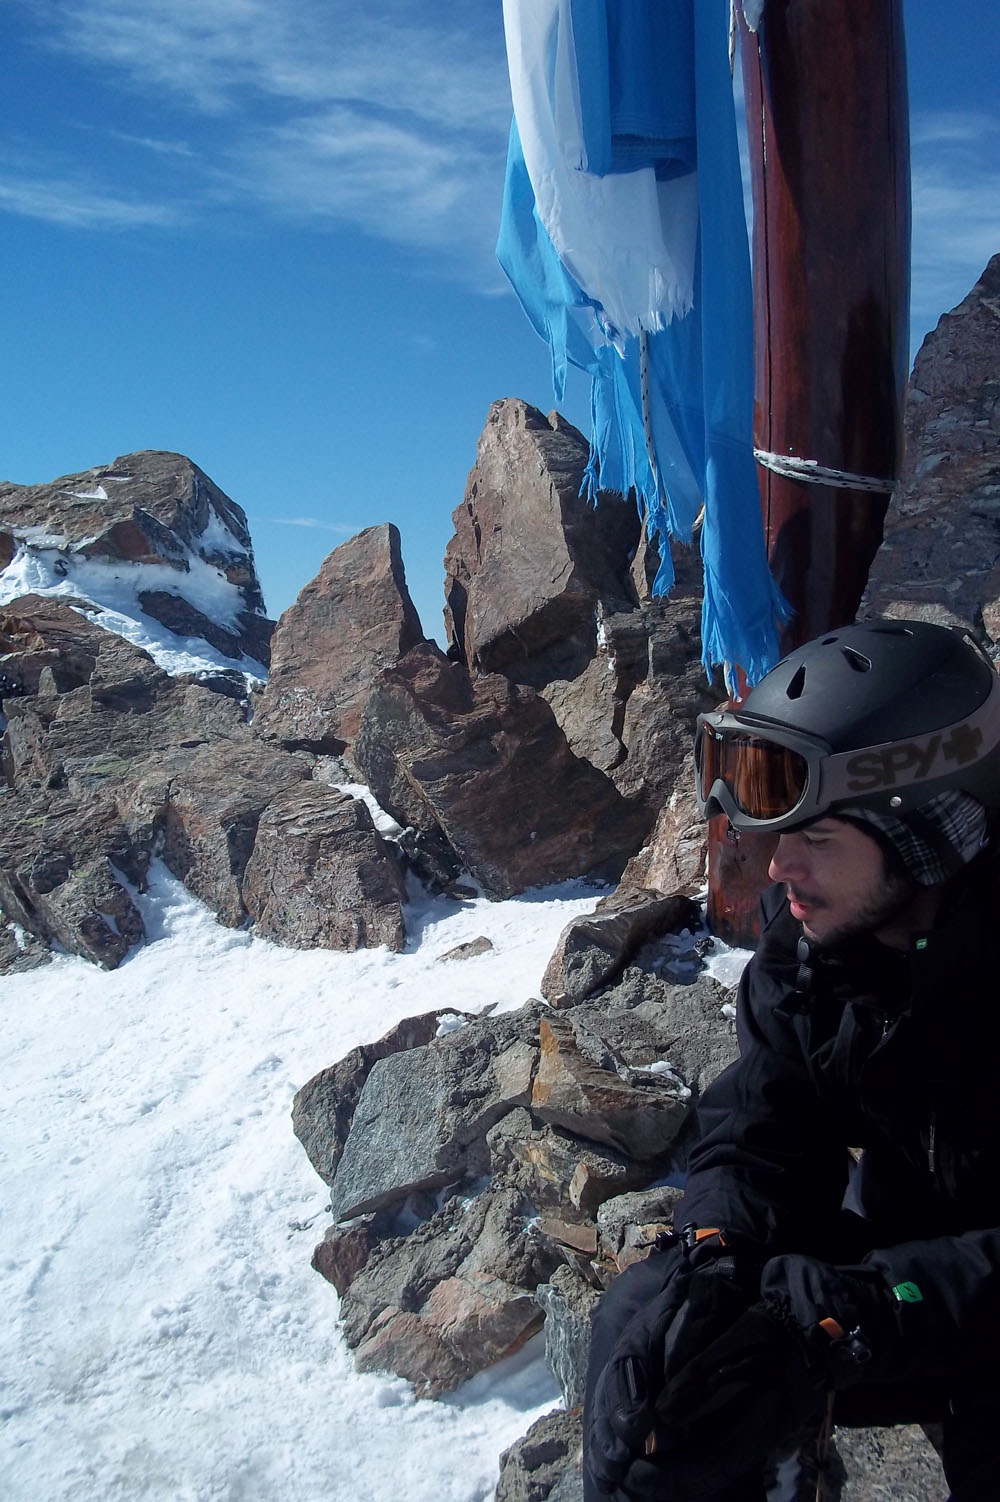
(260, 232)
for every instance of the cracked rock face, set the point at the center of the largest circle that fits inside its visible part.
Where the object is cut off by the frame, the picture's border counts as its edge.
(940, 560)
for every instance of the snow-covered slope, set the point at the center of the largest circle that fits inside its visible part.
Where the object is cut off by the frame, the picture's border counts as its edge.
(165, 1335)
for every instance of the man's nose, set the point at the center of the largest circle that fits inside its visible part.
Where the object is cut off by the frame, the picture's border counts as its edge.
(787, 862)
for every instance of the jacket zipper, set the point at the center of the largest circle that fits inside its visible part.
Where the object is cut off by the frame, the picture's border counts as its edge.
(932, 1146)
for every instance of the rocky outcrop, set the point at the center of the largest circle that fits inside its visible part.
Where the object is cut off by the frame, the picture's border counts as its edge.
(109, 761)
(531, 561)
(554, 593)
(468, 1169)
(484, 761)
(155, 509)
(354, 619)
(940, 559)
(553, 768)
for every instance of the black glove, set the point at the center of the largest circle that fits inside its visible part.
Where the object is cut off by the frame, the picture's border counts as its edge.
(706, 1287)
(852, 1325)
(754, 1390)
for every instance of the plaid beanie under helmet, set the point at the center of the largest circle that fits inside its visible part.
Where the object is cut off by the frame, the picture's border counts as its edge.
(933, 842)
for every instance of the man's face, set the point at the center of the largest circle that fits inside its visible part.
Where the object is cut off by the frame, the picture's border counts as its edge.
(838, 884)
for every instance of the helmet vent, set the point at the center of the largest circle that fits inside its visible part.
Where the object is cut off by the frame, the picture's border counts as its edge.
(856, 660)
(885, 628)
(796, 684)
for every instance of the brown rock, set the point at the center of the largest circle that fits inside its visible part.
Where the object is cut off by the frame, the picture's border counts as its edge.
(942, 531)
(321, 876)
(574, 1091)
(530, 557)
(344, 1252)
(468, 951)
(213, 808)
(59, 864)
(582, 1238)
(486, 761)
(674, 859)
(355, 618)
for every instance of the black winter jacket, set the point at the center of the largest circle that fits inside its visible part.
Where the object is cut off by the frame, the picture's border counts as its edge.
(891, 1056)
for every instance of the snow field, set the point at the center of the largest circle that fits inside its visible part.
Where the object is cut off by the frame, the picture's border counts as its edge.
(166, 1337)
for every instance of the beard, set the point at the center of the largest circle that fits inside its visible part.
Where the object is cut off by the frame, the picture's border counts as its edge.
(880, 906)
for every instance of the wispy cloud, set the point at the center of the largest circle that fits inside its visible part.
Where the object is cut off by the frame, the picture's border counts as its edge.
(77, 205)
(151, 143)
(956, 208)
(390, 118)
(314, 522)
(392, 54)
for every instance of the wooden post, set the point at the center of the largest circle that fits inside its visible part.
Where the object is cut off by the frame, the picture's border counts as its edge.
(828, 132)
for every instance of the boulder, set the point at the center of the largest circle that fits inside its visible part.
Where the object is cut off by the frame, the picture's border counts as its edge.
(150, 508)
(485, 761)
(422, 1116)
(938, 561)
(628, 1225)
(355, 618)
(555, 1170)
(450, 1299)
(214, 800)
(568, 1304)
(323, 1109)
(544, 1464)
(555, 593)
(62, 864)
(578, 1087)
(345, 1250)
(321, 876)
(531, 558)
(593, 950)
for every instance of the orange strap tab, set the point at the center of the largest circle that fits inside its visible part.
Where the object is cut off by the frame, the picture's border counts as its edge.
(833, 1328)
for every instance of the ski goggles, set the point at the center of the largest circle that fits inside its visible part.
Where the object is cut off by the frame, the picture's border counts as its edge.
(780, 779)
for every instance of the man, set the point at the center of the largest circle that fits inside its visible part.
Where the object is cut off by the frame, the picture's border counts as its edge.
(839, 1239)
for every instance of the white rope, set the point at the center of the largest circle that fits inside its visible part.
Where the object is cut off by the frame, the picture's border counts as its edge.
(818, 474)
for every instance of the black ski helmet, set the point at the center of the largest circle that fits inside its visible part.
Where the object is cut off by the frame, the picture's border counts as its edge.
(883, 714)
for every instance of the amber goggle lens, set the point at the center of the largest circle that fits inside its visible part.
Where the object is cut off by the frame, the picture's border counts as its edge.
(764, 780)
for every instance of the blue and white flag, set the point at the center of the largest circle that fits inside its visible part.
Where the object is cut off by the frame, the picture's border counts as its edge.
(624, 237)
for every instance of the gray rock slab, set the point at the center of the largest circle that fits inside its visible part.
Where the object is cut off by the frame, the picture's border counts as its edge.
(422, 1117)
(592, 950)
(323, 1108)
(568, 1304)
